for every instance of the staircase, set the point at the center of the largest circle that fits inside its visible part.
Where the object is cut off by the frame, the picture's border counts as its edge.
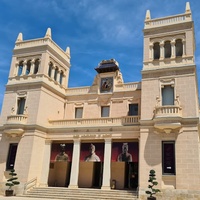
(80, 194)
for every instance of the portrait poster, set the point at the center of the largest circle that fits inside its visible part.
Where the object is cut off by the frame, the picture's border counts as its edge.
(61, 152)
(93, 152)
(117, 151)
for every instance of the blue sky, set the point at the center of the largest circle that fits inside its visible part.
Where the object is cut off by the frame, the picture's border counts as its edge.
(94, 30)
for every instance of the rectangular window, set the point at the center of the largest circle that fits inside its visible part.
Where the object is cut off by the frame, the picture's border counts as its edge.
(20, 105)
(167, 95)
(78, 112)
(133, 110)
(105, 111)
(11, 157)
(168, 157)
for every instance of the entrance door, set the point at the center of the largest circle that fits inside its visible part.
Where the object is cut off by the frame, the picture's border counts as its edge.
(131, 175)
(97, 174)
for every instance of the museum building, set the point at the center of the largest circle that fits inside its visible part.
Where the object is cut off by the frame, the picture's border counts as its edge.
(111, 132)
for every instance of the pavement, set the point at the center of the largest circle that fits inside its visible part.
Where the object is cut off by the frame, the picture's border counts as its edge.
(22, 198)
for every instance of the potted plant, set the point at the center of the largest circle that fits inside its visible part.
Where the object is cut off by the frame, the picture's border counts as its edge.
(152, 180)
(12, 181)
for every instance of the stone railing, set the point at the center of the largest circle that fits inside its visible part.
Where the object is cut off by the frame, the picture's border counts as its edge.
(17, 119)
(81, 90)
(168, 20)
(105, 121)
(172, 110)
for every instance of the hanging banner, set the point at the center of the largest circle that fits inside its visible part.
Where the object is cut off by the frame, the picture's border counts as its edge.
(92, 152)
(125, 152)
(61, 152)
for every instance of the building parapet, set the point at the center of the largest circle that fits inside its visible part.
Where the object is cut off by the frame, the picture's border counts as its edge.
(175, 19)
(106, 121)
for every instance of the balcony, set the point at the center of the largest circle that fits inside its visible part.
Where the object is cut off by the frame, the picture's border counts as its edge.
(14, 125)
(95, 122)
(17, 119)
(168, 111)
(168, 118)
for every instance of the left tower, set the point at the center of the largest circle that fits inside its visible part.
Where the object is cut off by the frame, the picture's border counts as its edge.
(35, 91)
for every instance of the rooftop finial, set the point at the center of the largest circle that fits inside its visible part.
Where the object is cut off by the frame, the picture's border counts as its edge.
(19, 38)
(148, 15)
(48, 33)
(68, 50)
(187, 7)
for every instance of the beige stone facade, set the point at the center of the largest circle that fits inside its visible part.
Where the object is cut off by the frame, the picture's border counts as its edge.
(157, 119)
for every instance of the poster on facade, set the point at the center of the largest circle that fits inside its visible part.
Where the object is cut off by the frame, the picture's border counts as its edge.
(92, 152)
(124, 152)
(61, 152)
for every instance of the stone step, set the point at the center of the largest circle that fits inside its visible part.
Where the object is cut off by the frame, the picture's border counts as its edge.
(80, 193)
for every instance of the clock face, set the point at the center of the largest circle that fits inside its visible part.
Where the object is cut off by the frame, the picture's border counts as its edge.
(106, 84)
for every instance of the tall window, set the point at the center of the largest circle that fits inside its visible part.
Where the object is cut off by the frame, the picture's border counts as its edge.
(156, 51)
(20, 69)
(56, 74)
(28, 67)
(167, 47)
(168, 157)
(179, 47)
(61, 77)
(37, 62)
(50, 69)
(105, 111)
(133, 110)
(78, 112)
(11, 156)
(20, 105)
(167, 95)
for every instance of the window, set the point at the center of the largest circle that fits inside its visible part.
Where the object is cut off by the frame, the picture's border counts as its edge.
(28, 67)
(37, 62)
(61, 77)
(11, 156)
(179, 47)
(20, 105)
(167, 95)
(56, 74)
(78, 112)
(50, 69)
(156, 51)
(20, 69)
(105, 110)
(133, 110)
(168, 157)
(167, 47)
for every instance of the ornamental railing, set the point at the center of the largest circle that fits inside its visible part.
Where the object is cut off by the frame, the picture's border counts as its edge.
(17, 119)
(172, 110)
(104, 121)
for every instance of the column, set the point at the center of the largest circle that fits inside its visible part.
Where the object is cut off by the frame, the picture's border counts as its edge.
(151, 52)
(184, 49)
(107, 165)
(32, 66)
(45, 165)
(24, 68)
(75, 165)
(58, 76)
(162, 50)
(16, 69)
(53, 71)
(173, 49)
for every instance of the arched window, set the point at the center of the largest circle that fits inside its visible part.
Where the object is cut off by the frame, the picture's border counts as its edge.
(28, 67)
(167, 47)
(61, 77)
(50, 69)
(56, 74)
(20, 69)
(37, 62)
(179, 47)
(156, 51)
